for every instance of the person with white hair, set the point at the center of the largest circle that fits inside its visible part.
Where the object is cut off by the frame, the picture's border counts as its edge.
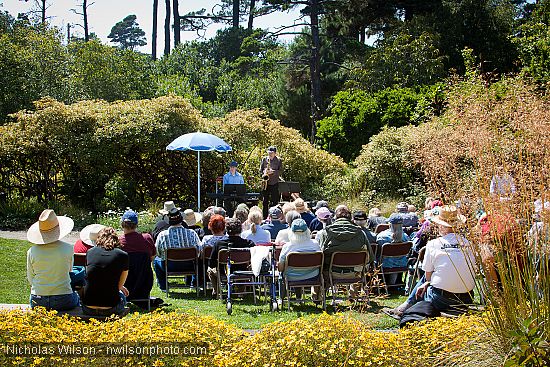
(375, 218)
(300, 241)
(283, 235)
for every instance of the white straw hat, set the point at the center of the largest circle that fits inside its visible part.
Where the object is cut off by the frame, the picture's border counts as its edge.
(167, 206)
(191, 218)
(49, 228)
(88, 235)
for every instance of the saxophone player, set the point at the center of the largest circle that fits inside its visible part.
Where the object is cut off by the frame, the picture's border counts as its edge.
(271, 169)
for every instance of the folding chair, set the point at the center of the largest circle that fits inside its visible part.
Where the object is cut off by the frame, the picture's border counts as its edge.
(205, 255)
(182, 255)
(304, 260)
(393, 250)
(416, 271)
(381, 227)
(140, 278)
(79, 260)
(343, 268)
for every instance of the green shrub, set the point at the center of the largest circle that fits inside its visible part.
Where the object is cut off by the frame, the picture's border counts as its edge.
(356, 115)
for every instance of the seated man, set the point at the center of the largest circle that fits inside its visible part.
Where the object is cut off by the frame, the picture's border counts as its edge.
(233, 228)
(162, 222)
(341, 236)
(410, 219)
(275, 225)
(394, 234)
(449, 263)
(176, 236)
(141, 252)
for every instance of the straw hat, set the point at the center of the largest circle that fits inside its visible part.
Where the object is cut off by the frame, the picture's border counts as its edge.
(301, 205)
(167, 206)
(49, 228)
(191, 218)
(88, 235)
(448, 217)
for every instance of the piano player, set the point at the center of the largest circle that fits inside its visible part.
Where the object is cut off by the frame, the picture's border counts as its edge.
(233, 177)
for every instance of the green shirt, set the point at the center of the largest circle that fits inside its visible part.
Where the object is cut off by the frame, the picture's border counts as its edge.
(48, 268)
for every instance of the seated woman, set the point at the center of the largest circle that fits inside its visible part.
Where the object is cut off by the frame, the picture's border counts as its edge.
(216, 226)
(107, 270)
(49, 262)
(300, 241)
(256, 233)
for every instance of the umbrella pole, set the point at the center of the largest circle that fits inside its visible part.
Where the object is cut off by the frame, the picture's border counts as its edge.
(198, 181)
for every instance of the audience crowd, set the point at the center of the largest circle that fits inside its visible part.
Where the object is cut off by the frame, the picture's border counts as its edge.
(119, 268)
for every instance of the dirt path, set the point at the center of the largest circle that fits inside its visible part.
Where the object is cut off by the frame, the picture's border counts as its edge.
(22, 235)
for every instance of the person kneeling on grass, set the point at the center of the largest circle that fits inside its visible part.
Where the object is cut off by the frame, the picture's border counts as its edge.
(449, 265)
(107, 270)
(49, 262)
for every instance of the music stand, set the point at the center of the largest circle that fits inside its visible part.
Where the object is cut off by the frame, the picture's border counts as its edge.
(234, 189)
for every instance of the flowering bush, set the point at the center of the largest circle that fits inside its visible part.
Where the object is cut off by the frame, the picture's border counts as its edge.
(340, 341)
(323, 341)
(20, 328)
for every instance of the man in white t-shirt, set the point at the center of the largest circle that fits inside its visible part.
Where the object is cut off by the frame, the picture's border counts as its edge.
(449, 268)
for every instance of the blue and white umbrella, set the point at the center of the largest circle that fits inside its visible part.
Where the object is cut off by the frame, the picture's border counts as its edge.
(199, 142)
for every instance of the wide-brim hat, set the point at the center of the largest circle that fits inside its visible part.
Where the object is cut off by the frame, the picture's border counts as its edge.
(88, 235)
(191, 218)
(167, 206)
(301, 206)
(49, 228)
(448, 217)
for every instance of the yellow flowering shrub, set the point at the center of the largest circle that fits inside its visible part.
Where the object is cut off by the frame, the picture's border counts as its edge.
(341, 341)
(321, 341)
(151, 330)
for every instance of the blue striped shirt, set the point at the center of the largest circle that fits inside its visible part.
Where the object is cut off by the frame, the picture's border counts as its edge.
(176, 237)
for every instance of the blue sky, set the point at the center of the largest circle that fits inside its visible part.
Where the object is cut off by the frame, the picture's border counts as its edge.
(103, 14)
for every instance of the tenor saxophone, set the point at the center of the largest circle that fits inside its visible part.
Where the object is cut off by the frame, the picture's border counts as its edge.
(265, 177)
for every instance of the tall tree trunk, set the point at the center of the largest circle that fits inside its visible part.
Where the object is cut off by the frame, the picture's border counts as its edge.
(68, 33)
(177, 24)
(85, 16)
(315, 66)
(251, 14)
(43, 11)
(362, 35)
(167, 28)
(236, 14)
(154, 34)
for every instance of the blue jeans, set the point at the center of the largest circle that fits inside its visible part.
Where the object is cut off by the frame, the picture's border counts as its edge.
(160, 270)
(60, 302)
(117, 310)
(440, 302)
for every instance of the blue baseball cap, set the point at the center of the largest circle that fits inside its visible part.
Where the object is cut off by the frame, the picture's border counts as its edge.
(298, 225)
(130, 216)
(233, 164)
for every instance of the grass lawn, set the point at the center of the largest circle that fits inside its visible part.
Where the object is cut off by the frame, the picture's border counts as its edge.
(14, 288)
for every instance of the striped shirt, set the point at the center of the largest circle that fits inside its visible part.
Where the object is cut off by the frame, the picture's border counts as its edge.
(176, 237)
